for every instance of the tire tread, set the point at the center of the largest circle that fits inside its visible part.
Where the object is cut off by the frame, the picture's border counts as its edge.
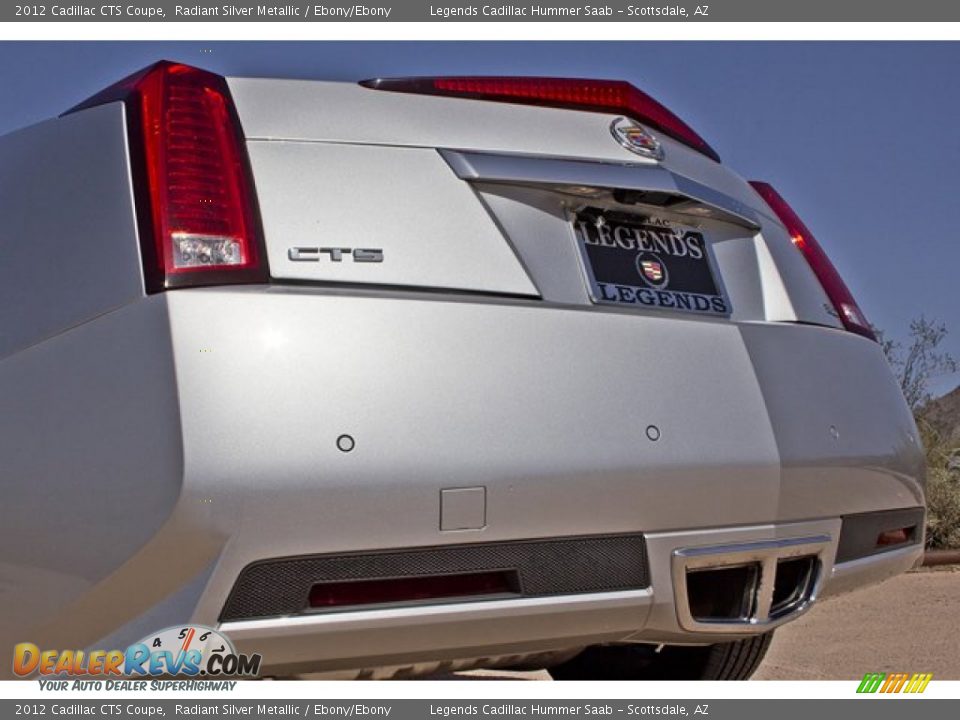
(736, 660)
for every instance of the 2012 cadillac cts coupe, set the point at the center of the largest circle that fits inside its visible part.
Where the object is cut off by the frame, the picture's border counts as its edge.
(425, 374)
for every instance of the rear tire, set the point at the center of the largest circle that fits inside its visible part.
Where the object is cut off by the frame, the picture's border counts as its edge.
(736, 660)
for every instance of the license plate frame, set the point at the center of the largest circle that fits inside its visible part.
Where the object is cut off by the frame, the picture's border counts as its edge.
(646, 263)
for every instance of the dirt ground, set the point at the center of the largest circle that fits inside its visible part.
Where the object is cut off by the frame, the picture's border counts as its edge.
(908, 624)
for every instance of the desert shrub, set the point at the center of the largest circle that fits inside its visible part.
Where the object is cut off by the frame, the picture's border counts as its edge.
(916, 365)
(943, 489)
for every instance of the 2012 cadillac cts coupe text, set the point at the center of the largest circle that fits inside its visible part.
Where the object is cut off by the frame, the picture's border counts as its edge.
(432, 373)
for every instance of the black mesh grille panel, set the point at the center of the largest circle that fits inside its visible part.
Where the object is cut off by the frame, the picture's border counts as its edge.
(544, 567)
(858, 534)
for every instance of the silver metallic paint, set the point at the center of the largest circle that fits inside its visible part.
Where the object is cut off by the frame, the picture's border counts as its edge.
(154, 446)
(405, 201)
(68, 234)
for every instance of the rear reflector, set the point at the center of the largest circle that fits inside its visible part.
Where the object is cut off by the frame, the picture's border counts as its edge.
(895, 537)
(606, 96)
(198, 219)
(850, 313)
(412, 589)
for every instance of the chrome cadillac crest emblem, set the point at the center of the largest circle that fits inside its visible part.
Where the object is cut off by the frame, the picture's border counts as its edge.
(635, 139)
(652, 270)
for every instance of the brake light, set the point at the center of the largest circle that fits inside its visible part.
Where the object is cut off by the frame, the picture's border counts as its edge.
(850, 313)
(607, 96)
(197, 215)
(410, 589)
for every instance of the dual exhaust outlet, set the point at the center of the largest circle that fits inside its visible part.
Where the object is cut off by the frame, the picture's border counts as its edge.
(739, 587)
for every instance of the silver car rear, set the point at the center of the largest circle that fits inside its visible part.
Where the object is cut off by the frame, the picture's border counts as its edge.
(424, 381)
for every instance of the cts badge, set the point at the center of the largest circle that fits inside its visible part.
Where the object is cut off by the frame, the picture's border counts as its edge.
(635, 139)
(335, 254)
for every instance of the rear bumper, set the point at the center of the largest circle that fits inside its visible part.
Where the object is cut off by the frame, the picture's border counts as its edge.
(855, 574)
(463, 632)
(562, 422)
(494, 631)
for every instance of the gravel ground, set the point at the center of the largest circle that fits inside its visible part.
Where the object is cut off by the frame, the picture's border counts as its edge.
(908, 624)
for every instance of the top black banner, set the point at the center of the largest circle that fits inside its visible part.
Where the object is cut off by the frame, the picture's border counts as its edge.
(450, 11)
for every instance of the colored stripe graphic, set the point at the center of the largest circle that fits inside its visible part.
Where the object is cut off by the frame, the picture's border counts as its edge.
(897, 682)
(918, 683)
(894, 682)
(871, 682)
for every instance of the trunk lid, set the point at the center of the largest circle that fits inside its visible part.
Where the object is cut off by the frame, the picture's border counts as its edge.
(369, 188)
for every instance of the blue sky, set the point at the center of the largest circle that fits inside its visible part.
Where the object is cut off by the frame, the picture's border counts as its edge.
(862, 138)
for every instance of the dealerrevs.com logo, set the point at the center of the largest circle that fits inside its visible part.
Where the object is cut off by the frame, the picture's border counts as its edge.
(181, 651)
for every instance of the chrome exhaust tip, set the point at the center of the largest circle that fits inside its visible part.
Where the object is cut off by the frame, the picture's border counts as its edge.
(733, 588)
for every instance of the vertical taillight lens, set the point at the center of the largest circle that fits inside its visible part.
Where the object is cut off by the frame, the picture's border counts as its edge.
(836, 289)
(195, 197)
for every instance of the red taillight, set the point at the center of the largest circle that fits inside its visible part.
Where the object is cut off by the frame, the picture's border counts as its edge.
(850, 313)
(607, 96)
(198, 220)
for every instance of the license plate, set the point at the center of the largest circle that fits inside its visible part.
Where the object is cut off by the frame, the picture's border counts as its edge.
(642, 262)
